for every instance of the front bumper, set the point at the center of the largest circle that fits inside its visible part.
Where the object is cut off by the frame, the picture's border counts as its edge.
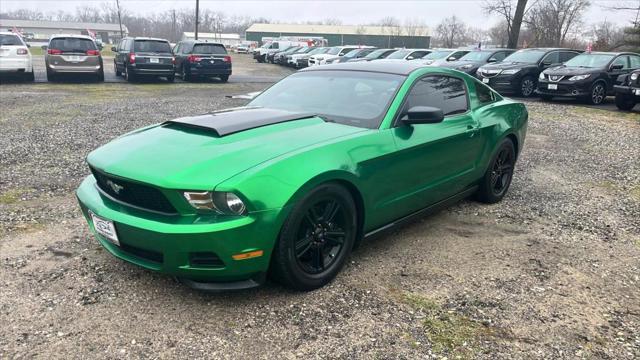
(574, 89)
(15, 64)
(507, 84)
(627, 90)
(173, 244)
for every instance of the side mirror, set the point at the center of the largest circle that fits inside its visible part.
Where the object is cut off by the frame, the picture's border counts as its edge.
(113, 48)
(546, 63)
(451, 58)
(617, 67)
(492, 61)
(423, 115)
(44, 47)
(28, 45)
(410, 58)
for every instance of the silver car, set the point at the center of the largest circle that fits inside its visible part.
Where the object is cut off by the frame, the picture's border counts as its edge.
(73, 54)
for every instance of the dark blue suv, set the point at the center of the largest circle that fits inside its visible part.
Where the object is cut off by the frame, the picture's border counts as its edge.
(196, 58)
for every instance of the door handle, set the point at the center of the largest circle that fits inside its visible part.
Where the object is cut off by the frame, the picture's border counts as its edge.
(472, 130)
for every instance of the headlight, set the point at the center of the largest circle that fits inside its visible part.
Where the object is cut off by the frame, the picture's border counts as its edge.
(464, 67)
(510, 71)
(541, 77)
(579, 77)
(221, 202)
(634, 76)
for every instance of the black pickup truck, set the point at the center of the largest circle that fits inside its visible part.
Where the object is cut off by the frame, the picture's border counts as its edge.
(627, 90)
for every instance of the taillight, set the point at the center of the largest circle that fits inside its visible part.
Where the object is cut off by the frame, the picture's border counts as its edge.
(193, 58)
(54, 51)
(173, 60)
(93, 52)
(132, 58)
(22, 52)
(226, 59)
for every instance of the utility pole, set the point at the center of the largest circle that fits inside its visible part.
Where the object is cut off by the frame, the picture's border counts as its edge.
(119, 19)
(173, 25)
(197, 16)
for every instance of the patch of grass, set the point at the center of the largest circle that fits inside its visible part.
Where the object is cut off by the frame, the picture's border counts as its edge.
(10, 196)
(447, 331)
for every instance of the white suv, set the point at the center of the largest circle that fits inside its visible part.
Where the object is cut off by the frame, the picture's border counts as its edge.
(15, 57)
(334, 52)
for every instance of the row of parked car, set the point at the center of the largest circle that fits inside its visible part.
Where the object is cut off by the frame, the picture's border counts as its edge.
(134, 58)
(545, 72)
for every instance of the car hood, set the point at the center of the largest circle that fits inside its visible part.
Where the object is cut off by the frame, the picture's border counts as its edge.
(173, 156)
(570, 70)
(507, 66)
(458, 63)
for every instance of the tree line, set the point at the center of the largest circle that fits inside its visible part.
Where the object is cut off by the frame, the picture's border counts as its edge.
(522, 23)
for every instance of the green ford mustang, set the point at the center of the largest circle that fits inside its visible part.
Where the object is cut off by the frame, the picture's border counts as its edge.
(289, 184)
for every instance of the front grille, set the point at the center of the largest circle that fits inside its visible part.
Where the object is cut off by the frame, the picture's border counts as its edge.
(150, 255)
(205, 260)
(133, 193)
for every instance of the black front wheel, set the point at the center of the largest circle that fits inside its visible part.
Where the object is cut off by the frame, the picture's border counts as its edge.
(598, 93)
(316, 239)
(527, 86)
(625, 102)
(496, 181)
(224, 78)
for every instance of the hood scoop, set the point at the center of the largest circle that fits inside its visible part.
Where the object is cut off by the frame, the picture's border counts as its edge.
(231, 121)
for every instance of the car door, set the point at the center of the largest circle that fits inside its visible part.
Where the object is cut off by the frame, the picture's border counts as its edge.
(435, 161)
(620, 65)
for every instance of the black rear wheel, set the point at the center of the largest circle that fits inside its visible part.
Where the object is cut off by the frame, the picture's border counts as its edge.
(224, 78)
(625, 102)
(496, 181)
(316, 239)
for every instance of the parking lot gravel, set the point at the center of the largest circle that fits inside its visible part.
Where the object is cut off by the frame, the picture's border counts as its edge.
(553, 271)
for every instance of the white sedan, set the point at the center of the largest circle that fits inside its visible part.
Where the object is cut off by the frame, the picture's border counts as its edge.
(15, 57)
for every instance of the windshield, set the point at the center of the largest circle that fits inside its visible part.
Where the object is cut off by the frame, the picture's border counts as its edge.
(9, 40)
(355, 98)
(400, 54)
(318, 51)
(590, 60)
(436, 55)
(71, 44)
(334, 51)
(376, 54)
(265, 45)
(154, 46)
(525, 56)
(210, 49)
(476, 56)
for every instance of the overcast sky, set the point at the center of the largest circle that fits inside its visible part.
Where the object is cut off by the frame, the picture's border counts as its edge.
(350, 12)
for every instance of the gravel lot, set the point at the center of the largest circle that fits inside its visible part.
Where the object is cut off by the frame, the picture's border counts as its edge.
(551, 272)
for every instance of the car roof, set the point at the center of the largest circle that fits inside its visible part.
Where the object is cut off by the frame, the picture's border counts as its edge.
(399, 68)
(147, 38)
(204, 42)
(614, 53)
(547, 49)
(71, 36)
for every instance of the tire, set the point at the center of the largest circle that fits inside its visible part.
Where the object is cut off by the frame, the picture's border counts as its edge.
(51, 77)
(495, 182)
(625, 102)
(546, 97)
(327, 217)
(185, 74)
(598, 93)
(224, 78)
(30, 76)
(171, 78)
(527, 86)
(129, 77)
(100, 76)
(115, 69)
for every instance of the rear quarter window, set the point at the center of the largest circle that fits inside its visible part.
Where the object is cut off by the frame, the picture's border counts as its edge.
(214, 49)
(10, 40)
(151, 46)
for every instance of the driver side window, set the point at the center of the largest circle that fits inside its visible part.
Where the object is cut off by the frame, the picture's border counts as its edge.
(443, 92)
(621, 60)
(551, 58)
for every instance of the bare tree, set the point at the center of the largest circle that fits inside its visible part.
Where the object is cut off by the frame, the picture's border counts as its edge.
(414, 27)
(451, 32)
(607, 36)
(512, 12)
(551, 21)
(499, 34)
